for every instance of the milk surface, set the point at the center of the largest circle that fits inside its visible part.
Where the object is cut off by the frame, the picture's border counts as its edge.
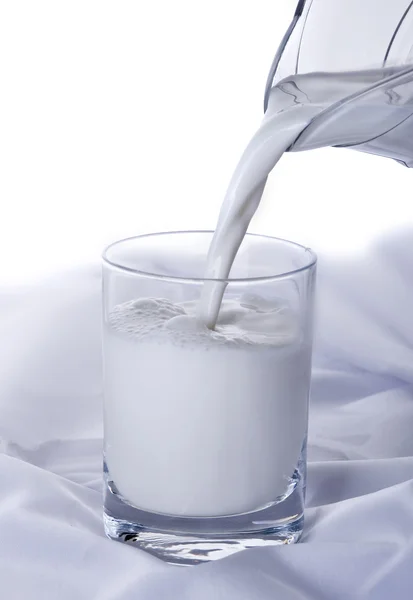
(200, 422)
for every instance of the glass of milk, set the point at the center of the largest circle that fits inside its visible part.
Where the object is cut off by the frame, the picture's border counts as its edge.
(205, 430)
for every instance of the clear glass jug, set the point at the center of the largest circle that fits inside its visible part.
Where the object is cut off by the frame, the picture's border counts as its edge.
(340, 36)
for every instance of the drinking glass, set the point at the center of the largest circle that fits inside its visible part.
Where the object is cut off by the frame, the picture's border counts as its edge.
(205, 441)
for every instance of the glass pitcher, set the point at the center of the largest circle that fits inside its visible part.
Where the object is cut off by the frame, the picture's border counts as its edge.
(370, 38)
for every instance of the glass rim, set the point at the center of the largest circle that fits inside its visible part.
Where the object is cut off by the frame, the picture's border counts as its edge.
(176, 278)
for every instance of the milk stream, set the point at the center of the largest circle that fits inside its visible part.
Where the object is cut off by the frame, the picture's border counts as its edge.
(351, 108)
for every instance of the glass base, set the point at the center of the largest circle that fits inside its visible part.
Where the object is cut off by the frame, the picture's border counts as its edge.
(195, 540)
(184, 549)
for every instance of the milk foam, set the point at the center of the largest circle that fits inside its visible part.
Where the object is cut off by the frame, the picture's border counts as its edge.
(250, 321)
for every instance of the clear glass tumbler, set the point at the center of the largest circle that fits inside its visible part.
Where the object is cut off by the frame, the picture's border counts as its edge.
(205, 432)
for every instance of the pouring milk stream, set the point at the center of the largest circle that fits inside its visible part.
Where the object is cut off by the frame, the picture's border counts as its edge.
(318, 109)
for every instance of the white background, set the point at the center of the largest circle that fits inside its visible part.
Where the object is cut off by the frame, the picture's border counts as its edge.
(125, 117)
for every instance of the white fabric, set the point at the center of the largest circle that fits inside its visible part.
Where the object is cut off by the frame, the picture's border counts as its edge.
(358, 540)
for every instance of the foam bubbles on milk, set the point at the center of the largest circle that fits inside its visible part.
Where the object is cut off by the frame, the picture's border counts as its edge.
(248, 321)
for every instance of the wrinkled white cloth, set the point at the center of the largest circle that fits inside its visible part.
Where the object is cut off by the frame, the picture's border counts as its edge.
(358, 541)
